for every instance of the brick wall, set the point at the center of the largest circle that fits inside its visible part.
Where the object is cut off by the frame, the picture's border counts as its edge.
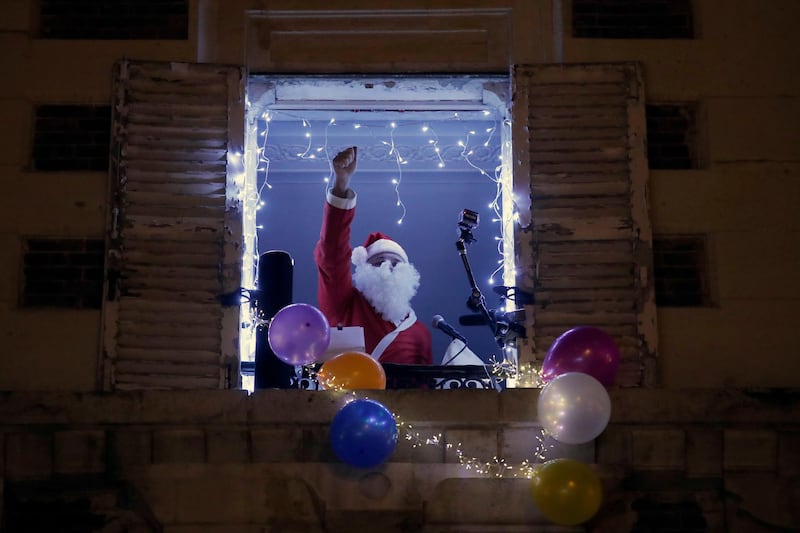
(224, 461)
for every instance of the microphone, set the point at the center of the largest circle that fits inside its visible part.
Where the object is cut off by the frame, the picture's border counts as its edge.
(440, 323)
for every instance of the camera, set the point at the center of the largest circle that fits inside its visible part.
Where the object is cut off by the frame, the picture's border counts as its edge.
(468, 219)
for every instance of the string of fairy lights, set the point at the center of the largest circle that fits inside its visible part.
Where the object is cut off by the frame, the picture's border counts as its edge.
(253, 192)
(251, 182)
(384, 135)
(496, 466)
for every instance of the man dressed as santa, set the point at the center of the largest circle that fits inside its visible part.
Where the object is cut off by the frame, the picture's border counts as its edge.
(377, 293)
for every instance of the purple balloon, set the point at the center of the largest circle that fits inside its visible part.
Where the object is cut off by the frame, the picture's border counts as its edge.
(299, 334)
(583, 349)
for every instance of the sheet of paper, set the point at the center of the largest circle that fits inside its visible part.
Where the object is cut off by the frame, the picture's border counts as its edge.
(458, 354)
(349, 339)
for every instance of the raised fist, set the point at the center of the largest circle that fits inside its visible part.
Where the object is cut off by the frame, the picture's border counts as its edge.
(344, 165)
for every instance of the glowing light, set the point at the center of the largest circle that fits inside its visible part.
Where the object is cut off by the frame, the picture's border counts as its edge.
(501, 205)
(496, 467)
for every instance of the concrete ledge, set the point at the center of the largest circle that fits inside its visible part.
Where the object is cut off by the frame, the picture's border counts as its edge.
(706, 406)
(471, 407)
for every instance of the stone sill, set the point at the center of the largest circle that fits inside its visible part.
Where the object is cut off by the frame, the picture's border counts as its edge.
(469, 407)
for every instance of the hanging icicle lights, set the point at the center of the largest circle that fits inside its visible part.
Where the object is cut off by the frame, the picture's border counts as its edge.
(313, 147)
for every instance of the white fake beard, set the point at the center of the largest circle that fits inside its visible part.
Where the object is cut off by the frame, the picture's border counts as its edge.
(389, 290)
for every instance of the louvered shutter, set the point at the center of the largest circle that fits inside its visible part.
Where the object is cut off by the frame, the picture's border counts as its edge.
(175, 227)
(586, 243)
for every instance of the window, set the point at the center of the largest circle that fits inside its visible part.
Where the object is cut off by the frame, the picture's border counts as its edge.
(63, 273)
(120, 19)
(672, 136)
(184, 221)
(632, 19)
(681, 271)
(428, 148)
(71, 137)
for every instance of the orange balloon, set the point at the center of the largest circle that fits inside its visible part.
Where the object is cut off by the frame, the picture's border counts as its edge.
(352, 370)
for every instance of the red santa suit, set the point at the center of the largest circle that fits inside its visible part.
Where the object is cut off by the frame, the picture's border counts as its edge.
(343, 305)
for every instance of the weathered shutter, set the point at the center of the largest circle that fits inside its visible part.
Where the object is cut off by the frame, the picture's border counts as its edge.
(586, 240)
(175, 223)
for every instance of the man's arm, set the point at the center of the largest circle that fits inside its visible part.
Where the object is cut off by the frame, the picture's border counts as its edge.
(333, 251)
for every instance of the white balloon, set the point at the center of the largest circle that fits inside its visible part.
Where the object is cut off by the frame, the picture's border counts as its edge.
(574, 407)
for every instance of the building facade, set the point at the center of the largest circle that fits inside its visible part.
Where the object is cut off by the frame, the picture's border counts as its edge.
(673, 228)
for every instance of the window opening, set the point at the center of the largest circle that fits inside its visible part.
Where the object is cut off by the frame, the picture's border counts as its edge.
(121, 19)
(681, 271)
(429, 147)
(71, 137)
(65, 273)
(632, 19)
(672, 136)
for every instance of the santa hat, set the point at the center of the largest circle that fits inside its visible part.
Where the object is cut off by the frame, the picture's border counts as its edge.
(375, 244)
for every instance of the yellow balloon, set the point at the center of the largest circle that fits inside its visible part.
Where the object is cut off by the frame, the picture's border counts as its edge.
(566, 491)
(352, 370)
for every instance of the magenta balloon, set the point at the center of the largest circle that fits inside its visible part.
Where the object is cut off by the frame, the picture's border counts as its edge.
(583, 349)
(299, 334)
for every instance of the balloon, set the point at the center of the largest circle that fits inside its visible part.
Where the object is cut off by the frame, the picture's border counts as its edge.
(299, 334)
(363, 433)
(583, 349)
(566, 491)
(352, 370)
(574, 408)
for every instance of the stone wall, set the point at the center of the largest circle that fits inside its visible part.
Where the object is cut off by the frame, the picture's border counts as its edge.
(693, 460)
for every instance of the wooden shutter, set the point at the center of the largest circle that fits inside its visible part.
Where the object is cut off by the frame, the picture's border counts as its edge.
(175, 226)
(585, 243)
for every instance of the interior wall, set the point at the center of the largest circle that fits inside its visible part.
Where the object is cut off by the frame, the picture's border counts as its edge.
(293, 213)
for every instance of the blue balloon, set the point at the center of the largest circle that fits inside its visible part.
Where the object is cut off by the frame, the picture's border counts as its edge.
(363, 433)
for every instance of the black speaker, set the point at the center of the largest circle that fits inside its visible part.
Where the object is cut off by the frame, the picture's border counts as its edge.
(275, 273)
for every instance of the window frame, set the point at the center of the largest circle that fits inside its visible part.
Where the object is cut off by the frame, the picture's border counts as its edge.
(639, 349)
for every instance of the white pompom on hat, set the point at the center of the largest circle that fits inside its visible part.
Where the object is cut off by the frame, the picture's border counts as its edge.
(375, 244)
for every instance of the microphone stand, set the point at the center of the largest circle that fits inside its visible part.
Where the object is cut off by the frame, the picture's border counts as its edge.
(476, 299)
